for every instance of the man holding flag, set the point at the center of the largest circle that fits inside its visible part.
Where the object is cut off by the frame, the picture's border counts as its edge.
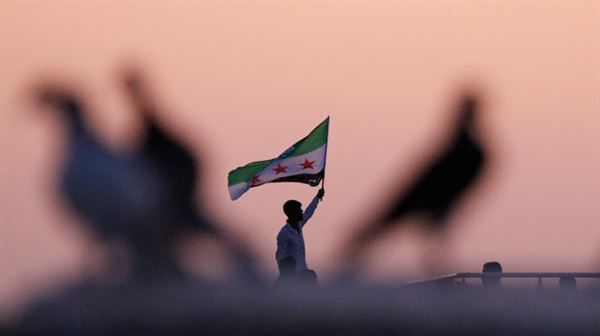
(303, 162)
(290, 255)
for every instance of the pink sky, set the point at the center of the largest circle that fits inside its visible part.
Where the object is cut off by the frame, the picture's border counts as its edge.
(244, 81)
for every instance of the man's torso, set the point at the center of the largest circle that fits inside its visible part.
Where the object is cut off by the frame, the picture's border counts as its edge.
(290, 243)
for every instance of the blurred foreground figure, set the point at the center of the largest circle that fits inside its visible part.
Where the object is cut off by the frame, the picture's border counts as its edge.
(177, 166)
(143, 199)
(436, 191)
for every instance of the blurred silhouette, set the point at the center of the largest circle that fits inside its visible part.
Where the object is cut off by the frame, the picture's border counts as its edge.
(144, 198)
(491, 267)
(173, 162)
(436, 191)
(117, 194)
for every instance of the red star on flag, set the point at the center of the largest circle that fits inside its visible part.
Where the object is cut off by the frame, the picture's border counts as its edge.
(255, 180)
(280, 169)
(308, 164)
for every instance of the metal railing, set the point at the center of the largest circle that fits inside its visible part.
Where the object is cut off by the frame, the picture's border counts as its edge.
(461, 277)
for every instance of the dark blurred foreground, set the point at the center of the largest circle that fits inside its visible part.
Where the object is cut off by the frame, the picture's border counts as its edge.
(145, 200)
(186, 308)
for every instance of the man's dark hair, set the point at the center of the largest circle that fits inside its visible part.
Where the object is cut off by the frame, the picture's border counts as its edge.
(290, 206)
(492, 266)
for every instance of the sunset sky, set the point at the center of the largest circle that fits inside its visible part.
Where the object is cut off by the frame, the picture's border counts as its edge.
(241, 82)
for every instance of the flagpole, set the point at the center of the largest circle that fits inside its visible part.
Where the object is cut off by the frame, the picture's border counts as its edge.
(325, 160)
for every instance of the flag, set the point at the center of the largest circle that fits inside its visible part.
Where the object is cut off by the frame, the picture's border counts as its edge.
(304, 162)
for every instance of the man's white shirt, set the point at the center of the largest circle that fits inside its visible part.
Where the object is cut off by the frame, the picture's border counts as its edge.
(290, 242)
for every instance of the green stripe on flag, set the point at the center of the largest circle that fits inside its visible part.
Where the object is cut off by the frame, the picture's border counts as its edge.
(245, 173)
(316, 139)
(314, 145)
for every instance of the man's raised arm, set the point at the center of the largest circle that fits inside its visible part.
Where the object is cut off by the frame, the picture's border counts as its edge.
(310, 209)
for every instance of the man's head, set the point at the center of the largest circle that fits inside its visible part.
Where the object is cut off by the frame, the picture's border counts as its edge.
(293, 211)
(492, 267)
